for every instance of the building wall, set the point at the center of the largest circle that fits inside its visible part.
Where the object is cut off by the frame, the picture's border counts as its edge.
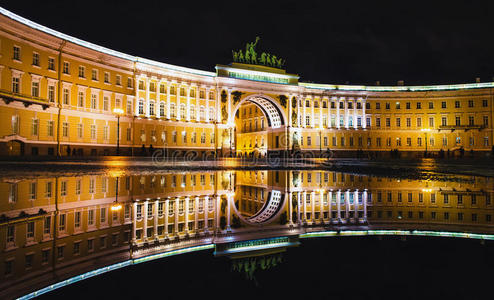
(68, 90)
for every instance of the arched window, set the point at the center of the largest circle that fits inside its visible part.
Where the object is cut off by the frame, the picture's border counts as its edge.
(182, 110)
(202, 113)
(141, 107)
(162, 108)
(211, 114)
(173, 111)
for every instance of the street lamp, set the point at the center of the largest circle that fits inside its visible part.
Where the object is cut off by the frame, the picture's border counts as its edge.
(116, 206)
(118, 112)
(425, 130)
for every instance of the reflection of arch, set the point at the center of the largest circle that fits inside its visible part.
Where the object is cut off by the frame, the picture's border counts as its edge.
(271, 109)
(268, 213)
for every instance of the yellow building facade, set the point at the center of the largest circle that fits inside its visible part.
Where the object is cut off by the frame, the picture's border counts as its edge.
(64, 96)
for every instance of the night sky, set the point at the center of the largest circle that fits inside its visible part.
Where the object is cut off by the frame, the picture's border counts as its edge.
(324, 42)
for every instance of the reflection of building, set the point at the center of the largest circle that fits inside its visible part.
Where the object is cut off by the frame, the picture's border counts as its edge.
(58, 96)
(54, 227)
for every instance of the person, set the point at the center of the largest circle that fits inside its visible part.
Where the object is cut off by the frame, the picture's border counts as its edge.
(143, 150)
(68, 150)
(151, 150)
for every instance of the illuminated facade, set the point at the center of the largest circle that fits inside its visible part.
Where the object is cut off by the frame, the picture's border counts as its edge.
(66, 223)
(59, 96)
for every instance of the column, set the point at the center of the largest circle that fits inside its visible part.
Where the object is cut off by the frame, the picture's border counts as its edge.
(347, 204)
(330, 204)
(321, 205)
(230, 104)
(290, 208)
(207, 105)
(298, 209)
(155, 219)
(329, 113)
(290, 109)
(364, 202)
(146, 105)
(217, 217)
(305, 113)
(355, 205)
(134, 222)
(364, 117)
(187, 108)
(337, 113)
(304, 199)
(145, 220)
(158, 100)
(177, 106)
(338, 205)
(299, 100)
(218, 105)
(312, 204)
(176, 216)
(168, 100)
(167, 207)
(355, 112)
(198, 104)
(311, 111)
(186, 214)
(206, 205)
(346, 113)
(320, 113)
(228, 203)
(196, 213)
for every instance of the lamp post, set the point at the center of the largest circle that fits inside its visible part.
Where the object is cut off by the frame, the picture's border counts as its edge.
(118, 112)
(116, 206)
(425, 130)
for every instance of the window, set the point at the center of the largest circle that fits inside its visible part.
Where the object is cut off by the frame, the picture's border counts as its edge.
(443, 121)
(419, 122)
(65, 129)
(457, 121)
(36, 59)
(30, 230)
(34, 127)
(80, 100)
(32, 191)
(61, 222)
(419, 105)
(118, 80)
(130, 83)
(78, 187)
(443, 104)
(15, 84)
(398, 122)
(484, 103)
(470, 103)
(65, 68)
(378, 122)
(106, 103)
(409, 122)
(51, 64)
(82, 72)
(93, 131)
(102, 215)
(431, 122)
(17, 53)
(431, 105)
(94, 101)
(48, 189)
(63, 188)
(94, 74)
(457, 104)
(486, 121)
(47, 225)
(162, 108)
(388, 122)
(107, 77)
(35, 89)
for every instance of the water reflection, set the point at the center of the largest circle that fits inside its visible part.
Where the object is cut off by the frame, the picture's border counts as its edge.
(53, 228)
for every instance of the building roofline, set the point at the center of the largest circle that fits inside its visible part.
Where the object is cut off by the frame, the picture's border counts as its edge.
(356, 88)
